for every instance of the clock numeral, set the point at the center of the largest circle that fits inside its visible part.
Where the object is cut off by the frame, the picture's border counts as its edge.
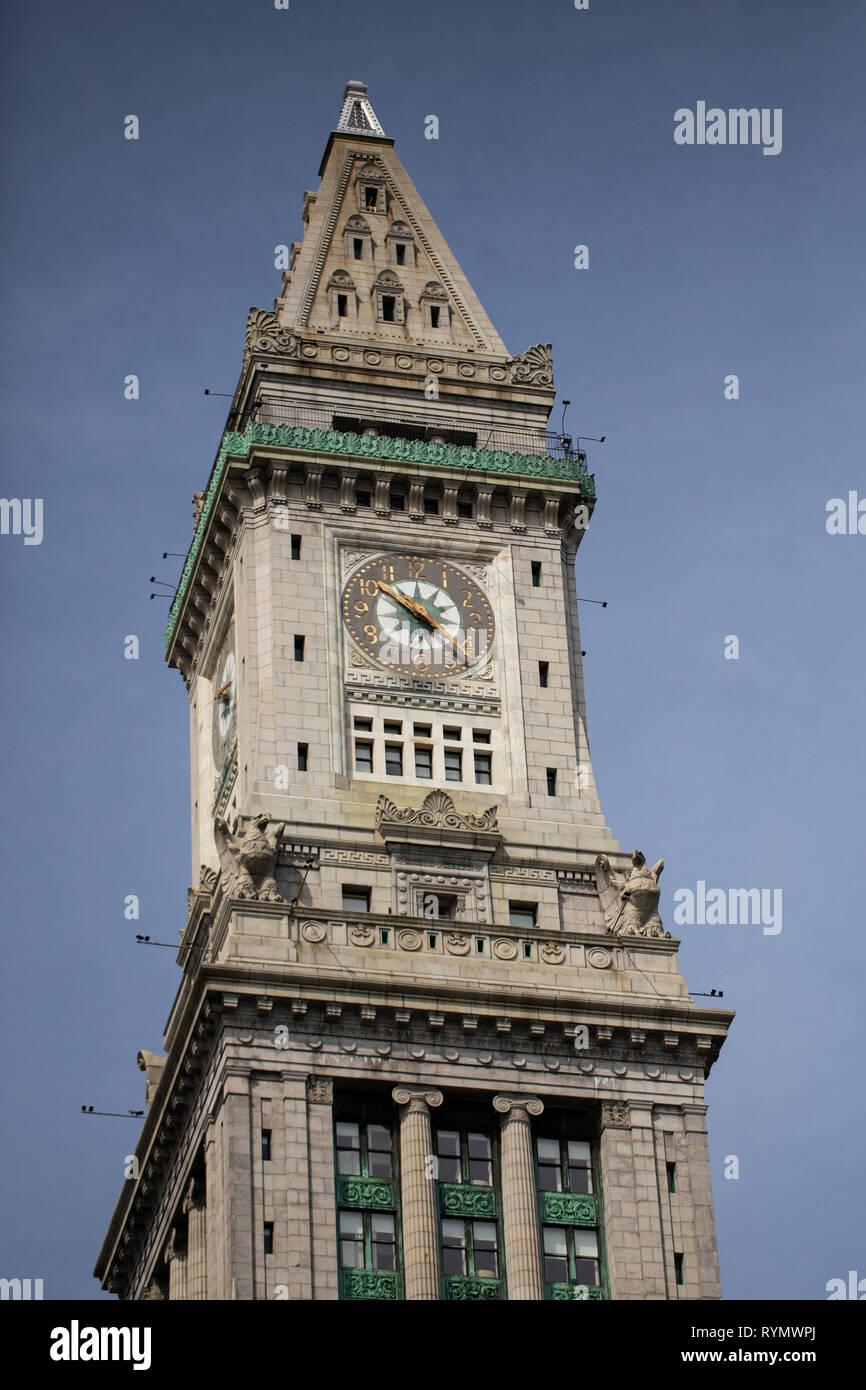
(475, 619)
(370, 586)
(361, 607)
(370, 631)
(387, 573)
(444, 578)
(416, 568)
(467, 597)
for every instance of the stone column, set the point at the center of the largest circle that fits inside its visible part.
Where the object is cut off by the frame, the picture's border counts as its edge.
(175, 1257)
(624, 1270)
(196, 1240)
(523, 1265)
(700, 1182)
(420, 1219)
(322, 1198)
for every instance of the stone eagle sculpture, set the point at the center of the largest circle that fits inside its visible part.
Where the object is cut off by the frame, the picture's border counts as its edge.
(630, 901)
(248, 858)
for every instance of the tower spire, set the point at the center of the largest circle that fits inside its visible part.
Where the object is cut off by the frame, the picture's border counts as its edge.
(357, 115)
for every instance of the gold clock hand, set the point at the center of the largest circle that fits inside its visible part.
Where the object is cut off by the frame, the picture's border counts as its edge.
(418, 611)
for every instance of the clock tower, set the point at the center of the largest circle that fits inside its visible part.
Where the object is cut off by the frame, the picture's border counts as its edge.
(430, 1040)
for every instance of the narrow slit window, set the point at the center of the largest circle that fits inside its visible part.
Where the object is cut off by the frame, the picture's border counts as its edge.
(296, 547)
(536, 574)
(300, 642)
(269, 1237)
(342, 305)
(543, 673)
(672, 1177)
(434, 315)
(388, 306)
(358, 248)
(303, 750)
(551, 781)
(266, 1145)
(401, 254)
(678, 1268)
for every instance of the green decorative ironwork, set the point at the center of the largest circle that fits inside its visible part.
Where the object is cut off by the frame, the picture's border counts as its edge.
(375, 1194)
(460, 1289)
(455, 1199)
(569, 1209)
(359, 446)
(558, 1293)
(369, 1284)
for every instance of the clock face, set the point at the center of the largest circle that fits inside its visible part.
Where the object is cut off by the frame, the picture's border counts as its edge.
(225, 700)
(415, 613)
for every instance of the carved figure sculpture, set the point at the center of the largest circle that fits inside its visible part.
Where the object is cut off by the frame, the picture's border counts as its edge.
(248, 859)
(630, 901)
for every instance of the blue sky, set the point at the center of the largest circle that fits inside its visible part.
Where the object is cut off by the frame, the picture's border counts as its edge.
(556, 129)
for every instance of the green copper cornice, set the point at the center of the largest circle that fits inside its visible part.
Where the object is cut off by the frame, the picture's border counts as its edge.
(338, 444)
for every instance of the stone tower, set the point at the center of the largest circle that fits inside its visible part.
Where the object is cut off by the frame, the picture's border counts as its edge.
(430, 1040)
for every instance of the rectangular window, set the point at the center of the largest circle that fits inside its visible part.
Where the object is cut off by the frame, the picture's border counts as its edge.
(296, 547)
(269, 1237)
(440, 905)
(672, 1177)
(398, 502)
(423, 761)
(266, 1145)
(453, 765)
(388, 304)
(364, 1150)
(363, 756)
(551, 781)
(470, 1249)
(393, 759)
(434, 315)
(303, 750)
(570, 1255)
(358, 248)
(400, 253)
(483, 769)
(342, 305)
(536, 574)
(465, 1156)
(678, 1268)
(355, 899)
(564, 1165)
(299, 648)
(365, 724)
(421, 730)
(393, 726)
(362, 498)
(371, 199)
(522, 914)
(431, 506)
(453, 734)
(480, 735)
(543, 672)
(464, 509)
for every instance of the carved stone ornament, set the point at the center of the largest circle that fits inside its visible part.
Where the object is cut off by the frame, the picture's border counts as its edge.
(248, 858)
(361, 936)
(630, 901)
(534, 367)
(518, 1108)
(418, 1098)
(436, 812)
(615, 1115)
(320, 1090)
(264, 334)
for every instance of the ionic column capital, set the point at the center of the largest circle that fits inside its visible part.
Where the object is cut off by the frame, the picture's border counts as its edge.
(517, 1109)
(418, 1099)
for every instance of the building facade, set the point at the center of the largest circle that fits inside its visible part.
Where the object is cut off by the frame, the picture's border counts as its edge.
(431, 1040)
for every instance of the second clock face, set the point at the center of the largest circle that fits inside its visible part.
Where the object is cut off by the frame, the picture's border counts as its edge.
(416, 613)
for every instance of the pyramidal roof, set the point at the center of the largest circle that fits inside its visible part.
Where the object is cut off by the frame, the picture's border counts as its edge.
(357, 116)
(367, 235)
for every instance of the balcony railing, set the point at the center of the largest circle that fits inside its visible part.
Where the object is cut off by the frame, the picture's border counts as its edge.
(431, 427)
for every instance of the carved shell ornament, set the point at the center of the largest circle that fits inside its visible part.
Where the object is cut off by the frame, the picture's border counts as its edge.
(264, 334)
(533, 367)
(437, 810)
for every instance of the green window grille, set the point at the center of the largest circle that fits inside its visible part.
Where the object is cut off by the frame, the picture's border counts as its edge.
(472, 1266)
(367, 1217)
(570, 1216)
